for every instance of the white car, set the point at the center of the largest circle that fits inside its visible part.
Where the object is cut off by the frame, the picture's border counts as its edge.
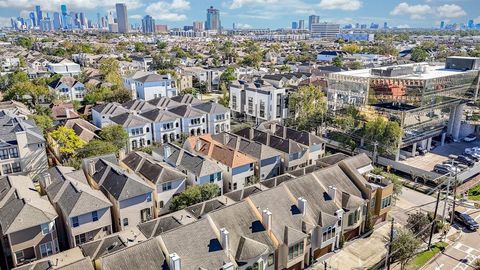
(470, 138)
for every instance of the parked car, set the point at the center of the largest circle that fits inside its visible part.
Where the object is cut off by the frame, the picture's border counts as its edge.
(473, 156)
(470, 138)
(446, 168)
(473, 151)
(465, 160)
(459, 166)
(466, 220)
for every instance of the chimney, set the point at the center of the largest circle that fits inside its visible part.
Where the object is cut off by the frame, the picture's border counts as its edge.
(267, 219)
(166, 151)
(91, 167)
(225, 240)
(302, 205)
(48, 179)
(174, 262)
(332, 191)
(198, 145)
(121, 154)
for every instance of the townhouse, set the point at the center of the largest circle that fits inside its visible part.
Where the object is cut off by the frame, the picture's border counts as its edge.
(64, 67)
(166, 126)
(137, 127)
(166, 181)
(148, 85)
(102, 113)
(66, 260)
(85, 213)
(27, 222)
(194, 121)
(23, 148)
(218, 117)
(259, 101)
(131, 197)
(211, 77)
(199, 170)
(238, 168)
(268, 160)
(68, 88)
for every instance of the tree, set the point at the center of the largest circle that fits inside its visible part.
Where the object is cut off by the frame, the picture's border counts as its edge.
(161, 45)
(139, 47)
(97, 148)
(418, 223)
(25, 42)
(337, 61)
(351, 48)
(96, 95)
(386, 133)
(193, 195)
(309, 106)
(19, 90)
(356, 65)
(224, 100)
(68, 141)
(189, 90)
(115, 134)
(43, 121)
(419, 54)
(228, 75)
(120, 95)
(110, 70)
(404, 247)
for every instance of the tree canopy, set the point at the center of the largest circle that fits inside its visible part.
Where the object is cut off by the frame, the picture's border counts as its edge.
(193, 195)
(309, 106)
(404, 247)
(115, 134)
(68, 141)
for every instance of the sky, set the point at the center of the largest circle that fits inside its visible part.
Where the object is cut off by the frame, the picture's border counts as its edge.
(267, 13)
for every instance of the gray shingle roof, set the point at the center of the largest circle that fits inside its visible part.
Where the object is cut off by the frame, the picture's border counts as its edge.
(9, 125)
(159, 115)
(129, 120)
(211, 107)
(158, 226)
(186, 111)
(146, 255)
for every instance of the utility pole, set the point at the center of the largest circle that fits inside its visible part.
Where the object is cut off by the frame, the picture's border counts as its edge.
(454, 195)
(434, 221)
(375, 144)
(387, 258)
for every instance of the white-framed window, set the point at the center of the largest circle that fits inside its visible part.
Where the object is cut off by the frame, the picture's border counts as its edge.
(167, 186)
(46, 249)
(125, 222)
(20, 256)
(45, 228)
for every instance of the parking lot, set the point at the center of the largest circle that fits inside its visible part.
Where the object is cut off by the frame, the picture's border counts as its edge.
(439, 155)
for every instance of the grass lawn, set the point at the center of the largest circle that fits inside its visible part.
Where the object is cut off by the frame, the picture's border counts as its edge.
(422, 258)
(474, 193)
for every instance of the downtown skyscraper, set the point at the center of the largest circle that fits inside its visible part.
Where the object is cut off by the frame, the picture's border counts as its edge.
(213, 19)
(313, 19)
(148, 24)
(122, 18)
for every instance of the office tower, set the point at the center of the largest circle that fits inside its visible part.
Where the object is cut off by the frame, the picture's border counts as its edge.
(385, 25)
(442, 25)
(187, 28)
(82, 20)
(313, 19)
(325, 30)
(148, 24)
(122, 18)
(294, 25)
(46, 24)
(65, 18)
(198, 26)
(357, 25)
(56, 21)
(471, 24)
(213, 19)
(39, 16)
(301, 24)
(32, 18)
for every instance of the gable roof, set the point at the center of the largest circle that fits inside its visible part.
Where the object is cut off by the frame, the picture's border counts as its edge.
(129, 120)
(211, 107)
(146, 255)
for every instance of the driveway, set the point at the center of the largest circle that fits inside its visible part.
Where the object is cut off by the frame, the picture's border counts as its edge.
(361, 253)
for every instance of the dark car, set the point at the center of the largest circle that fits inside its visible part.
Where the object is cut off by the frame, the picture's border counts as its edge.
(472, 157)
(465, 160)
(466, 220)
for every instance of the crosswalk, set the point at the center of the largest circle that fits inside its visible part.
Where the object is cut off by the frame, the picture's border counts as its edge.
(472, 255)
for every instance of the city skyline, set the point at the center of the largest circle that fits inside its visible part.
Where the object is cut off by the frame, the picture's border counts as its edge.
(267, 13)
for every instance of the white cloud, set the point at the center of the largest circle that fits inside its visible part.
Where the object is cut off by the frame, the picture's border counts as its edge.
(241, 3)
(4, 21)
(168, 11)
(451, 11)
(403, 26)
(54, 5)
(416, 12)
(243, 25)
(135, 16)
(341, 4)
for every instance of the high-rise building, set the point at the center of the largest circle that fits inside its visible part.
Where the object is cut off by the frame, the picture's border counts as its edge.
(148, 24)
(57, 25)
(442, 25)
(82, 20)
(313, 19)
(325, 30)
(385, 25)
(471, 24)
(32, 18)
(198, 26)
(161, 28)
(294, 25)
(122, 18)
(213, 19)
(301, 24)
(38, 11)
(66, 23)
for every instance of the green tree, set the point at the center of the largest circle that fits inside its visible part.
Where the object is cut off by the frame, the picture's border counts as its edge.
(25, 42)
(161, 45)
(115, 134)
(110, 70)
(404, 247)
(68, 141)
(193, 195)
(418, 223)
(139, 47)
(351, 48)
(97, 148)
(337, 61)
(224, 100)
(228, 75)
(96, 95)
(386, 133)
(43, 121)
(419, 54)
(309, 106)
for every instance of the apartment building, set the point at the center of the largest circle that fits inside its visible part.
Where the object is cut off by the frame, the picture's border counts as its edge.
(238, 168)
(259, 101)
(149, 85)
(131, 197)
(211, 77)
(27, 222)
(64, 67)
(199, 170)
(166, 181)
(68, 88)
(23, 148)
(268, 160)
(85, 213)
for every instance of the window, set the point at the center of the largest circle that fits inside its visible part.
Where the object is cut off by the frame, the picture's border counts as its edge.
(16, 167)
(250, 105)
(80, 239)
(13, 152)
(46, 249)
(262, 109)
(134, 144)
(167, 186)
(279, 106)
(45, 228)
(75, 222)
(125, 222)
(234, 102)
(295, 251)
(386, 202)
(20, 256)
(373, 202)
(160, 204)
(4, 154)
(6, 168)
(271, 259)
(94, 216)
(212, 178)
(149, 197)
(234, 186)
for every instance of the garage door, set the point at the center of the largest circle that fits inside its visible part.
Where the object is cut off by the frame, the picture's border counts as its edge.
(351, 234)
(321, 251)
(297, 266)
